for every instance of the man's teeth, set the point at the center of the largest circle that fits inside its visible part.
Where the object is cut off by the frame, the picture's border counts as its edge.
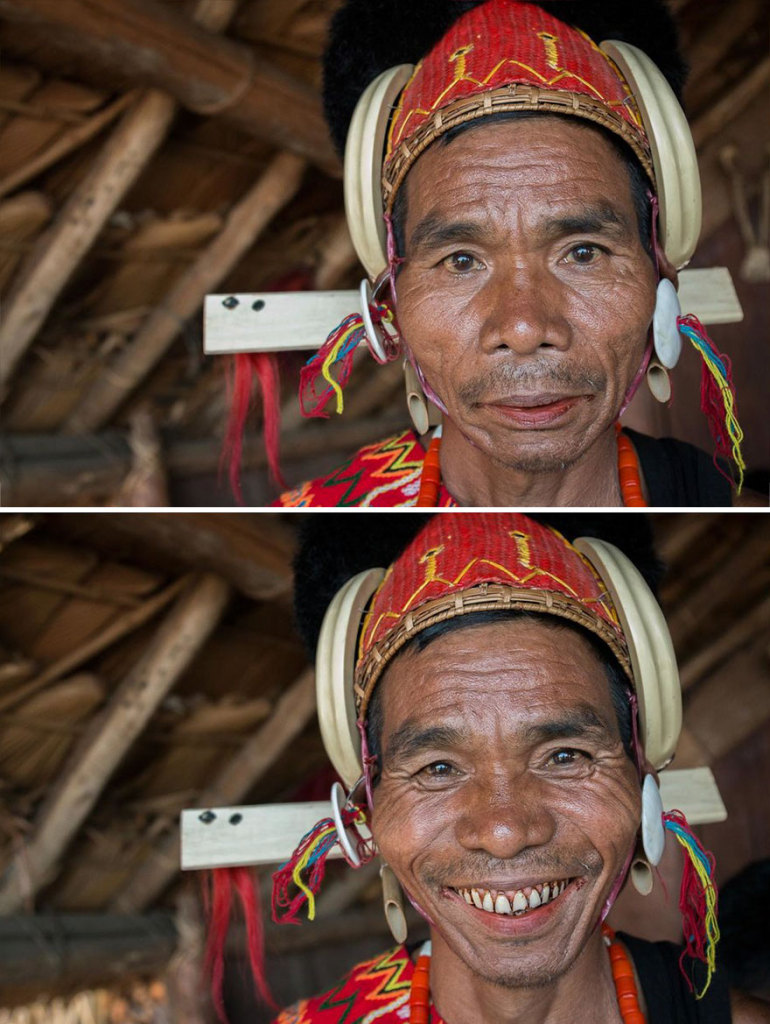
(514, 902)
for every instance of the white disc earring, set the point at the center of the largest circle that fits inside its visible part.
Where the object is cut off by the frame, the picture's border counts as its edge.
(666, 338)
(653, 830)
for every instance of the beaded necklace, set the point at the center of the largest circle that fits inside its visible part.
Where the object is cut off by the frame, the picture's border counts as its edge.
(628, 473)
(622, 976)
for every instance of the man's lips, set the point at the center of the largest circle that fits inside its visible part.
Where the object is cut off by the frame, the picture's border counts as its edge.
(534, 410)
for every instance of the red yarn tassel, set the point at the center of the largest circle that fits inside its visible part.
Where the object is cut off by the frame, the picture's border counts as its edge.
(243, 369)
(218, 907)
(225, 882)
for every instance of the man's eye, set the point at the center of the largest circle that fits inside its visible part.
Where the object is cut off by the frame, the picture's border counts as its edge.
(584, 253)
(438, 770)
(568, 756)
(461, 263)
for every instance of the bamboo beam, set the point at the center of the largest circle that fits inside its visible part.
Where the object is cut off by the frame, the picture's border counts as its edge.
(247, 219)
(741, 633)
(41, 467)
(81, 949)
(155, 45)
(291, 714)
(59, 250)
(733, 103)
(65, 144)
(125, 624)
(712, 45)
(181, 635)
(252, 554)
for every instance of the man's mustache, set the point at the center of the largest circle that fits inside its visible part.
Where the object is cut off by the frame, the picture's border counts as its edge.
(552, 866)
(510, 378)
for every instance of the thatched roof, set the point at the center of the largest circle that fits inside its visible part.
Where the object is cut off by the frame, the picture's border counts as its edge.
(148, 663)
(154, 150)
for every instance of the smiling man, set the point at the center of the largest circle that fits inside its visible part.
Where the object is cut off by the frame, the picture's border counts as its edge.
(525, 255)
(511, 729)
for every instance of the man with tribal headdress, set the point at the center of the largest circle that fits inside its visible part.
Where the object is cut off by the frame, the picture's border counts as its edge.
(538, 194)
(514, 696)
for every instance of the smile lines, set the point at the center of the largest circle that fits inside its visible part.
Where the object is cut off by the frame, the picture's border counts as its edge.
(514, 902)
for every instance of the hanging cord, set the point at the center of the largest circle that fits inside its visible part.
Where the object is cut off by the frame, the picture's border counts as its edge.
(697, 900)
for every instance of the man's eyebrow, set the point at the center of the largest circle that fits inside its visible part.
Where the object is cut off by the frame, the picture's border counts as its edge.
(433, 233)
(601, 218)
(411, 739)
(582, 720)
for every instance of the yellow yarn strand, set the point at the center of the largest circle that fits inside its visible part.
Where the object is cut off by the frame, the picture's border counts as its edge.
(300, 867)
(711, 922)
(329, 362)
(734, 431)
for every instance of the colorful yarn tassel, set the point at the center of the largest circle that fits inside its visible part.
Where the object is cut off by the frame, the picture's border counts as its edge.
(244, 371)
(224, 884)
(309, 860)
(717, 396)
(697, 899)
(327, 372)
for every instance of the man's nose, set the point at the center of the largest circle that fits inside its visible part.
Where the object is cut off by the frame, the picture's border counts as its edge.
(504, 817)
(523, 310)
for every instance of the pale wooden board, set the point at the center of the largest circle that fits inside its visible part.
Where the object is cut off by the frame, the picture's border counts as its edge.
(693, 791)
(710, 294)
(303, 320)
(288, 320)
(268, 834)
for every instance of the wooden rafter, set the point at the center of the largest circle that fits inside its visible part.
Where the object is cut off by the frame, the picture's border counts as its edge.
(274, 189)
(291, 714)
(175, 644)
(155, 45)
(59, 251)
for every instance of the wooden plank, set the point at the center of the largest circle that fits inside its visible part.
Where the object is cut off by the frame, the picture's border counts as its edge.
(291, 321)
(710, 294)
(230, 836)
(273, 321)
(695, 792)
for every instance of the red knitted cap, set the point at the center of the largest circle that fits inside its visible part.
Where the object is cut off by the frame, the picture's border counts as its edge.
(464, 562)
(508, 55)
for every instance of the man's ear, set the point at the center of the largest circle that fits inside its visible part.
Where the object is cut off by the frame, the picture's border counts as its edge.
(667, 268)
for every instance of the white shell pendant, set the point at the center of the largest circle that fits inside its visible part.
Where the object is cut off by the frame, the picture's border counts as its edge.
(665, 329)
(653, 830)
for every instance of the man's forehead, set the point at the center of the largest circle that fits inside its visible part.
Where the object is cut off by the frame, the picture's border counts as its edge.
(575, 163)
(508, 656)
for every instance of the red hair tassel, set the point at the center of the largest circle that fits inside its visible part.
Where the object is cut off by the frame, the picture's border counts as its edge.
(225, 882)
(243, 368)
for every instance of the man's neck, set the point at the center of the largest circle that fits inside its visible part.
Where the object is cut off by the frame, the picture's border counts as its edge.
(474, 479)
(584, 994)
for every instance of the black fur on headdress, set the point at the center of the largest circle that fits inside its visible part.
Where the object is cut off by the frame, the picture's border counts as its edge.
(366, 37)
(336, 546)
